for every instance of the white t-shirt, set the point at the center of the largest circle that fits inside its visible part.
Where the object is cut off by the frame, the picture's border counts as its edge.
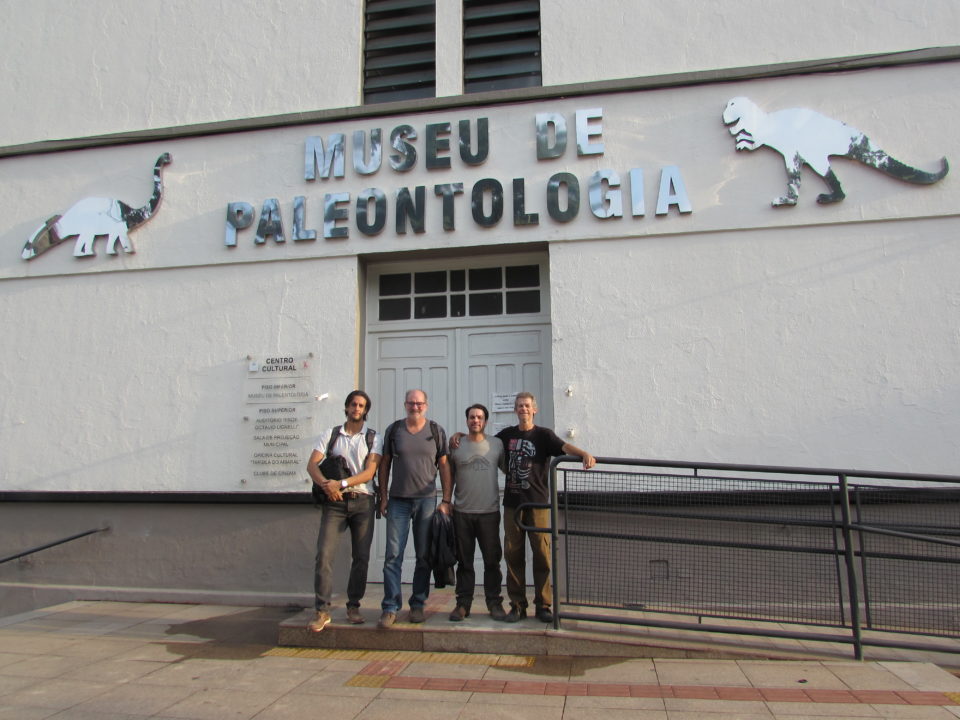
(354, 449)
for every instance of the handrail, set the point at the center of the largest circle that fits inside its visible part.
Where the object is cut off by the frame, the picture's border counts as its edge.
(848, 551)
(54, 543)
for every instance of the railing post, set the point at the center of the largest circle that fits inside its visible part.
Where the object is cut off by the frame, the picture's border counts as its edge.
(852, 585)
(554, 537)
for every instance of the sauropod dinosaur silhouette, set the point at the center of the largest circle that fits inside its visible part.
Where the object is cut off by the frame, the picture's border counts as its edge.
(806, 136)
(91, 218)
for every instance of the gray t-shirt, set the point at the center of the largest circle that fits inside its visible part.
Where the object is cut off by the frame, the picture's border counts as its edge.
(414, 464)
(475, 479)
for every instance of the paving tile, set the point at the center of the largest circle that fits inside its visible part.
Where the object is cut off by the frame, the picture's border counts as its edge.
(704, 705)
(26, 713)
(616, 703)
(306, 706)
(796, 711)
(428, 669)
(57, 694)
(608, 670)
(915, 712)
(220, 704)
(395, 708)
(135, 699)
(43, 666)
(523, 701)
(866, 676)
(924, 676)
(697, 672)
(508, 712)
(770, 674)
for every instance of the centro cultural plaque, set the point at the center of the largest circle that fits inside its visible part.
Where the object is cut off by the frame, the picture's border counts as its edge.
(278, 407)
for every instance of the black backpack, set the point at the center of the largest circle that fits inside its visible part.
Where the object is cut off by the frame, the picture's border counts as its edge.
(333, 467)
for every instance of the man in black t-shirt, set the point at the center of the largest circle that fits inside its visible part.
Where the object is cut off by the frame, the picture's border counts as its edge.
(528, 449)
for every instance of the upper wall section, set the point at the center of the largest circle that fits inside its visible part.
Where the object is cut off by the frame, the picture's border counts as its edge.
(106, 66)
(111, 66)
(643, 39)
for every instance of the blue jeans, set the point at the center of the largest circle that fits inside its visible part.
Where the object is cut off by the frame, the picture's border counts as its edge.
(353, 513)
(401, 512)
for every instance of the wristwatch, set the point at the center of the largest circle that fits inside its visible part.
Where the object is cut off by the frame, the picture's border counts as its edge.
(344, 485)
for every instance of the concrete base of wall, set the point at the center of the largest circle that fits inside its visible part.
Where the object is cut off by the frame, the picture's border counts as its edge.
(212, 553)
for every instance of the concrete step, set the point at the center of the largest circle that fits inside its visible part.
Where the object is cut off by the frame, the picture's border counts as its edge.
(479, 633)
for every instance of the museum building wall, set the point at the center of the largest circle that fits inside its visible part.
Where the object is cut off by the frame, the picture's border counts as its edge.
(689, 319)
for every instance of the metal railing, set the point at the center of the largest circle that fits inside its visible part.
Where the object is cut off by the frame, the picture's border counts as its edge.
(654, 540)
(53, 543)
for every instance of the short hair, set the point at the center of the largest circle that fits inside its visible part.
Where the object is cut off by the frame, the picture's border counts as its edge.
(525, 394)
(406, 395)
(481, 408)
(358, 393)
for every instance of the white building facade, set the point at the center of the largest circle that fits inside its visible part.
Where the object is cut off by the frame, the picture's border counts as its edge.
(598, 240)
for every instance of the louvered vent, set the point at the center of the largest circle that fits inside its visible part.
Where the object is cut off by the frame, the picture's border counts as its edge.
(400, 50)
(501, 44)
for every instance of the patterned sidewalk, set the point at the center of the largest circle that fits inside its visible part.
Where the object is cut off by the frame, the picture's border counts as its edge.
(129, 661)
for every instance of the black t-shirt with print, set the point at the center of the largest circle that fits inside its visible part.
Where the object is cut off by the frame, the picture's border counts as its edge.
(528, 454)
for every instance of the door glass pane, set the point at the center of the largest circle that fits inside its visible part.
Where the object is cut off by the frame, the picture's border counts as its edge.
(395, 309)
(395, 284)
(523, 276)
(431, 306)
(486, 279)
(523, 301)
(486, 304)
(430, 282)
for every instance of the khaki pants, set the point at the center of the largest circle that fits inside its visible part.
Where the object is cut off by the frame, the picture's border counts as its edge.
(514, 554)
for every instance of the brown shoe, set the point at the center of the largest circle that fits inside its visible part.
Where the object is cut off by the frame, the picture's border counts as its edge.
(322, 620)
(497, 612)
(416, 615)
(387, 620)
(459, 613)
(354, 617)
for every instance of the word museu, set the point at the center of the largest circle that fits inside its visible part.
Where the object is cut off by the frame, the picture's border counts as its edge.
(562, 194)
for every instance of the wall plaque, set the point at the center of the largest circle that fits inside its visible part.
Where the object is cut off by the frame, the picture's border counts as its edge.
(279, 403)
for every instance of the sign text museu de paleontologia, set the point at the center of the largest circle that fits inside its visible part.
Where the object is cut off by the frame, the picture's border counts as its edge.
(369, 209)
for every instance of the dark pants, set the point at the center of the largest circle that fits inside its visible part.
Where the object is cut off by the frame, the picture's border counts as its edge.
(354, 512)
(471, 529)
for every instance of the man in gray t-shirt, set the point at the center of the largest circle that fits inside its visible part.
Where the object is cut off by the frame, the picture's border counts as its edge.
(476, 514)
(415, 449)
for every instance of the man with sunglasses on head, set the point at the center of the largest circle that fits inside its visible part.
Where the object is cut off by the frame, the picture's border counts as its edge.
(347, 504)
(415, 448)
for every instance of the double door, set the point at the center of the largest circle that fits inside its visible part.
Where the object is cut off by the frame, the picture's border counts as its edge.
(456, 367)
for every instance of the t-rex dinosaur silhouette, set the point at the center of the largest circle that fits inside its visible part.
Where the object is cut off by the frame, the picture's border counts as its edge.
(91, 218)
(805, 136)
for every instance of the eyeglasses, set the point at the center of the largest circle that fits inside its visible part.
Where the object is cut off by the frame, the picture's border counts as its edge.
(416, 404)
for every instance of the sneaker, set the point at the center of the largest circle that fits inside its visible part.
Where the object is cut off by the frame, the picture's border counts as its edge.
(322, 620)
(387, 620)
(354, 617)
(416, 615)
(459, 613)
(544, 614)
(497, 612)
(516, 614)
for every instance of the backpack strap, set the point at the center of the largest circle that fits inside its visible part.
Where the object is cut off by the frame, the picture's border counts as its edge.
(392, 431)
(333, 439)
(435, 430)
(369, 437)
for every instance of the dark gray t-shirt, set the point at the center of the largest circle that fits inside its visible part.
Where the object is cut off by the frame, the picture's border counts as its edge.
(414, 464)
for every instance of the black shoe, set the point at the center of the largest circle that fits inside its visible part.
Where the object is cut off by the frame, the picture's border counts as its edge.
(516, 614)
(544, 615)
(497, 612)
(459, 613)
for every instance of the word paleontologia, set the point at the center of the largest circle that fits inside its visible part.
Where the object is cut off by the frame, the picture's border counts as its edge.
(608, 194)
